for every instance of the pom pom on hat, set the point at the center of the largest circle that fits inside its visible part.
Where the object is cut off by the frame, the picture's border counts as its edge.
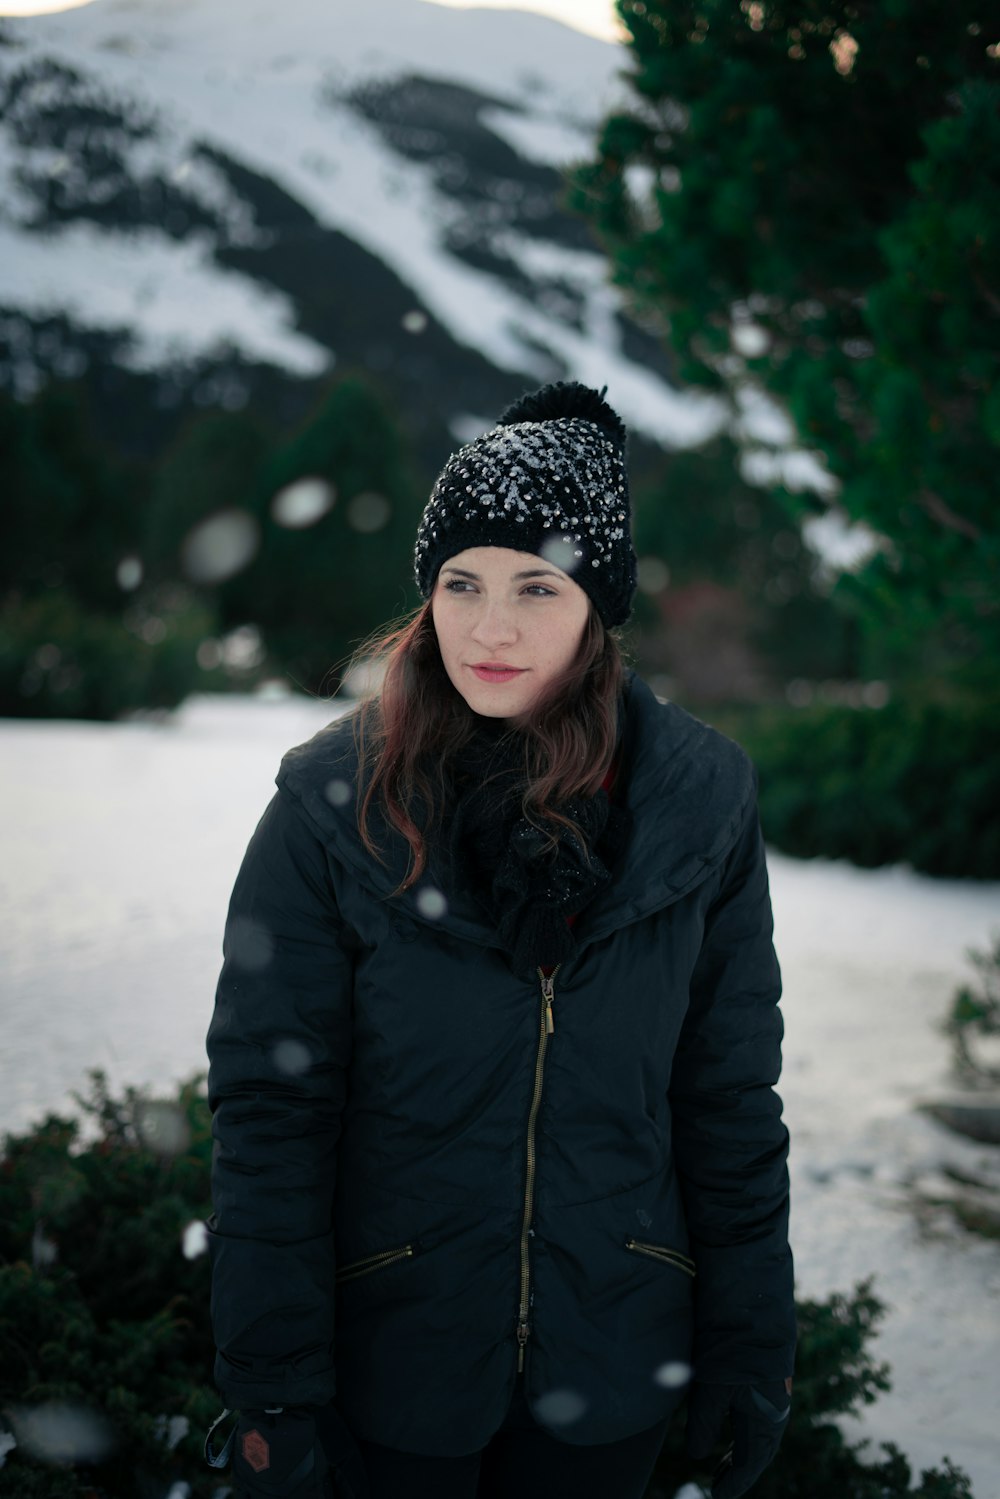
(562, 399)
(549, 479)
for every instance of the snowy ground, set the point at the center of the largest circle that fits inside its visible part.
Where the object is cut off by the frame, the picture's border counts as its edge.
(122, 842)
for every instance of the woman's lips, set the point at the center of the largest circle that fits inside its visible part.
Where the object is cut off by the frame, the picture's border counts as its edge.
(498, 673)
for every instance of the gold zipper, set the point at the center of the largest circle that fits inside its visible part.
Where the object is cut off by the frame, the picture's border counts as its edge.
(668, 1256)
(547, 1027)
(374, 1262)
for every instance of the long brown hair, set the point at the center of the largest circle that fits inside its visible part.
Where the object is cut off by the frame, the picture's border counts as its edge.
(408, 733)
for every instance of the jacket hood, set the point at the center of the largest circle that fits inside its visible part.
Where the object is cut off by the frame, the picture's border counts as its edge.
(686, 787)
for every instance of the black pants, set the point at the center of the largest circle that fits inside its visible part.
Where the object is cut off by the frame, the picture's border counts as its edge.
(522, 1461)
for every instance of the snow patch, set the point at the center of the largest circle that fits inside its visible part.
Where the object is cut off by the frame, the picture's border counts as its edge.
(555, 143)
(170, 298)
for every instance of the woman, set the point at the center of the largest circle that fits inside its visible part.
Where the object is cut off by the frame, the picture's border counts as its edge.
(500, 1173)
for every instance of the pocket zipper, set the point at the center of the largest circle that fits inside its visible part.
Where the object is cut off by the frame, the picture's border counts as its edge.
(668, 1256)
(373, 1262)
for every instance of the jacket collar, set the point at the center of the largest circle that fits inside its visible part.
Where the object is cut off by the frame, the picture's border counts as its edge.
(687, 789)
(685, 786)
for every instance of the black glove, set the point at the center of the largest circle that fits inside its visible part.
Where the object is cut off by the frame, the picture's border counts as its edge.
(302, 1452)
(758, 1416)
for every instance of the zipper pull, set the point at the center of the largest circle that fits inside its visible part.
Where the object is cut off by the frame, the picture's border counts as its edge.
(522, 1337)
(547, 995)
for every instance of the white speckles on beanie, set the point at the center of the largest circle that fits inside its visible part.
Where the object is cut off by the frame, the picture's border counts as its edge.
(549, 479)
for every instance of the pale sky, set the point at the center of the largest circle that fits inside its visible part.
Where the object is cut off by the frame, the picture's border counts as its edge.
(594, 16)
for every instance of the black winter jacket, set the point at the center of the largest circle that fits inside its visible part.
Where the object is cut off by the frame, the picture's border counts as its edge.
(429, 1172)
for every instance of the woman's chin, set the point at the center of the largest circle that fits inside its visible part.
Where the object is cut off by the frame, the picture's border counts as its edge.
(496, 700)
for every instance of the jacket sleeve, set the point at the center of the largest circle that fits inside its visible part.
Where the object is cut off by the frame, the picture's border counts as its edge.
(279, 1050)
(730, 1145)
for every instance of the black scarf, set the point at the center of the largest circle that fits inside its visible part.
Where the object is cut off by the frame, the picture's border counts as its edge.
(526, 884)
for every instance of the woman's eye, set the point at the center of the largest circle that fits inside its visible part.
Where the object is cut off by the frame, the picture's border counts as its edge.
(463, 585)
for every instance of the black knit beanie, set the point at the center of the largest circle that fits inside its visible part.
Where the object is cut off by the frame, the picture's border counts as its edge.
(549, 479)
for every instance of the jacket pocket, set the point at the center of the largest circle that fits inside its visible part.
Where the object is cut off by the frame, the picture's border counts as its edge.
(373, 1262)
(666, 1256)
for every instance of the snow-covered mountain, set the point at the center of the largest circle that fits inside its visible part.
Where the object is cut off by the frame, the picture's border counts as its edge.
(226, 186)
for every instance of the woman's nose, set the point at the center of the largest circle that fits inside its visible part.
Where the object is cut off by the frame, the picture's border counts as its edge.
(494, 626)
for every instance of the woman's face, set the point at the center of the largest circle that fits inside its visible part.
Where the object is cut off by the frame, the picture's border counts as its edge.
(508, 623)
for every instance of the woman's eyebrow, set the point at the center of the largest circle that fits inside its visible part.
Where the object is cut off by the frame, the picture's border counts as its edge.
(534, 572)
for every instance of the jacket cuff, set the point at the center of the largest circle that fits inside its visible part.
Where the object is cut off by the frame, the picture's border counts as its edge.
(272, 1308)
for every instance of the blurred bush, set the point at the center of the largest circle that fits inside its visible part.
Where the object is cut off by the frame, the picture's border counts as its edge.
(71, 507)
(973, 1022)
(106, 1372)
(59, 659)
(337, 506)
(82, 634)
(835, 1376)
(731, 602)
(122, 580)
(913, 782)
(104, 1322)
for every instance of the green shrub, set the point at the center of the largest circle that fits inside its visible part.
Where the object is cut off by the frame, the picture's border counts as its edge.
(101, 1313)
(61, 660)
(973, 1022)
(835, 1374)
(103, 1316)
(913, 782)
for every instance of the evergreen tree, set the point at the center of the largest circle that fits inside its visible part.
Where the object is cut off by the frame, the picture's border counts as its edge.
(215, 464)
(740, 606)
(317, 589)
(807, 197)
(79, 636)
(69, 510)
